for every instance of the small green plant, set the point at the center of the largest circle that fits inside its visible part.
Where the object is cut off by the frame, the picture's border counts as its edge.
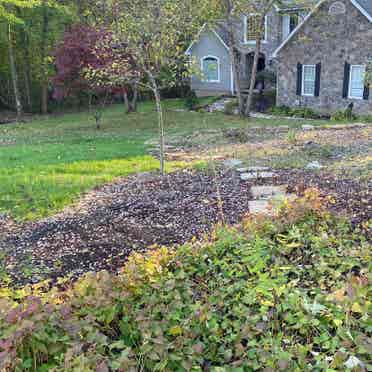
(366, 118)
(304, 112)
(292, 137)
(191, 100)
(300, 112)
(280, 110)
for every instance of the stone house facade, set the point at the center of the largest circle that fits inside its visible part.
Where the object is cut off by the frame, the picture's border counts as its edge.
(210, 49)
(319, 51)
(322, 63)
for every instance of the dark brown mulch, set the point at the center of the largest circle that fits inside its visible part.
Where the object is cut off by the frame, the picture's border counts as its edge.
(352, 197)
(135, 213)
(127, 216)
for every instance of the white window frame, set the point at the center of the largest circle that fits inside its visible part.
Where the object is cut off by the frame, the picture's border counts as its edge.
(253, 42)
(218, 69)
(350, 81)
(286, 24)
(303, 81)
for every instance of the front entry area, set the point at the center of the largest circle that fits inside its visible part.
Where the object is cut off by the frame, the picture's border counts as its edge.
(249, 58)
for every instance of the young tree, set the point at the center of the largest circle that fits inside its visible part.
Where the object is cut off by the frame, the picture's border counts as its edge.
(153, 31)
(261, 8)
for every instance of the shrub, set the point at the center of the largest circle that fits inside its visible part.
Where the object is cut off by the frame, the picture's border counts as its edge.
(281, 110)
(343, 115)
(366, 118)
(230, 107)
(300, 112)
(305, 113)
(271, 294)
(191, 101)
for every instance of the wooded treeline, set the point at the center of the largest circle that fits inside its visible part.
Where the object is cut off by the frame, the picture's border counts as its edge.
(152, 34)
(30, 32)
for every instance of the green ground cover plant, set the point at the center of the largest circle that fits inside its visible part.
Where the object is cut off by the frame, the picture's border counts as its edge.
(290, 293)
(47, 163)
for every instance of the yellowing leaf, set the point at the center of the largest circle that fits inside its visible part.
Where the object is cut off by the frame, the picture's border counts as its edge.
(356, 308)
(175, 331)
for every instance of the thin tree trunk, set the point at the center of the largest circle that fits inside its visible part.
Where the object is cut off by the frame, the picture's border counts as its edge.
(257, 52)
(14, 74)
(135, 97)
(233, 55)
(254, 67)
(127, 104)
(159, 110)
(26, 70)
(44, 65)
(26, 62)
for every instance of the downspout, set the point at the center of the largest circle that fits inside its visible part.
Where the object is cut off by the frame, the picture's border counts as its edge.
(232, 79)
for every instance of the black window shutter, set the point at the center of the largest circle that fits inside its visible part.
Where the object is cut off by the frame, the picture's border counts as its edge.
(366, 92)
(299, 79)
(345, 89)
(317, 79)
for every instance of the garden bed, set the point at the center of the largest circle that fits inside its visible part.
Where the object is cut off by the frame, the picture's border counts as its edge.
(140, 211)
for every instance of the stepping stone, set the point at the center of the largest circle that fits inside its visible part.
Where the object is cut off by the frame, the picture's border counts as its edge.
(257, 169)
(266, 192)
(314, 165)
(252, 169)
(308, 127)
(259, 206)
(232, 163)
(256, 175)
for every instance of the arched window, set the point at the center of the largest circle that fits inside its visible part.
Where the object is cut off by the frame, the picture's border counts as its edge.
(210, 66)
(337, 8)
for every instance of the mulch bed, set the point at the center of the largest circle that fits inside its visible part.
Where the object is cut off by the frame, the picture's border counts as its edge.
(129, 215)
(352, 197)
(137, 212)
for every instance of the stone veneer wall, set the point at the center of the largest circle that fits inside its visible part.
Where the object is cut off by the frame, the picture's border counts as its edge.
(331, 40)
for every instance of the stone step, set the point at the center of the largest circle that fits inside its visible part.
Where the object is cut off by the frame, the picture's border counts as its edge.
(256, 175)
(252, 169)
(267, 192)
(259, 206)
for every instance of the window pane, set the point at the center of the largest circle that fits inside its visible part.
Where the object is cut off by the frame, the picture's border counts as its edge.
(309, 80)
(253, 28)
(357, 81)
(293, 22)
(210, 69)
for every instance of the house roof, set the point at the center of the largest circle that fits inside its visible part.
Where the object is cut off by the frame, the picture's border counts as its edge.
(365, 7)
(218, 30)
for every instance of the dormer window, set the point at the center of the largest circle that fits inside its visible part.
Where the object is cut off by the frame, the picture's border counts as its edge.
(252, 27)
(290, 22)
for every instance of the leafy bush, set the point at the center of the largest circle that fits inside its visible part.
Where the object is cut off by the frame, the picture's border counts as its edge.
(343, 115)
(191, 100)
(283, 294)
(305, 113)
(300, 112)
(231, 106)
(366, 118)
(281, 110)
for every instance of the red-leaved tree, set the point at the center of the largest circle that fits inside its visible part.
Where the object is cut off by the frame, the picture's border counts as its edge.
(87, 61)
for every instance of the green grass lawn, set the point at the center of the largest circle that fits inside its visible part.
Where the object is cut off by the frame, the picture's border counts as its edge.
(47, 163)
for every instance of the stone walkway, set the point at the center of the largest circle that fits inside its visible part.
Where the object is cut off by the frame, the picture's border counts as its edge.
(263, 196)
